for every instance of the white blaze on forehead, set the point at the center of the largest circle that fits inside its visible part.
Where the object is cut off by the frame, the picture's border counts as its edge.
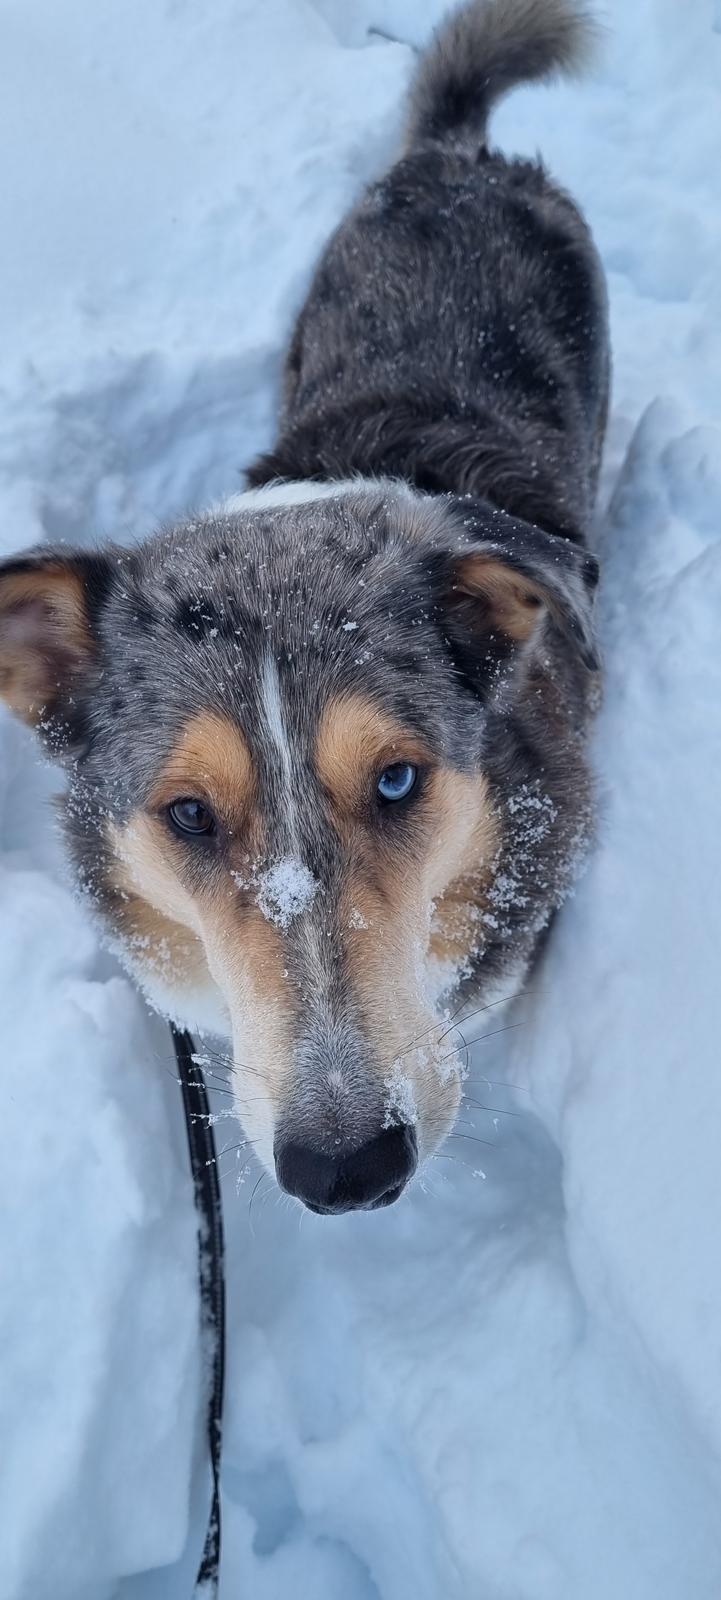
(274, 715)
(287, 887)
(277, 731)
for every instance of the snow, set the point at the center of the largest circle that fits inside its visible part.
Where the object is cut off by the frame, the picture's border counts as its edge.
(509, 1384)
(285, 890)
(400, 1097)
(98, 1331)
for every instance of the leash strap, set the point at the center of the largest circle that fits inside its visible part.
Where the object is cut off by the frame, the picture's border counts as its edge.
(211, 1253)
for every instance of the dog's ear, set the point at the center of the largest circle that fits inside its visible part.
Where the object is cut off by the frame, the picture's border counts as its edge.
(49, 607)
(506, 581)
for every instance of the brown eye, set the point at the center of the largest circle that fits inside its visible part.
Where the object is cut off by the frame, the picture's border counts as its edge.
(190, 818)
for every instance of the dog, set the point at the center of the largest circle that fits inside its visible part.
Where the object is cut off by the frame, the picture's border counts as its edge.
(326, 743)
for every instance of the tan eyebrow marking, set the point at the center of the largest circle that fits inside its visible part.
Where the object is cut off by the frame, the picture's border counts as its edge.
(210, 760)
(354, 739)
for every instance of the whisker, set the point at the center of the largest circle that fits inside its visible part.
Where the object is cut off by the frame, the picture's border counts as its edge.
(510, 1026)
(495, 1111)
(272, 1191)
(448, 1024)
(229, 1064)
(474, 1138)
(468, 1016)
(250, 1204)
(243, 1144)
(442, 1022)
(504, 1000)
(499, 1083)
(196, 1083)
(476, 1172)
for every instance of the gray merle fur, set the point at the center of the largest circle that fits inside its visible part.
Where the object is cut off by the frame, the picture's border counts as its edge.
(454, 340)
(455, 332)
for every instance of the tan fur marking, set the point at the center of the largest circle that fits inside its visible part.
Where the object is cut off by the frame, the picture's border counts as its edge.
(400, 907)
(431, 904)
(354, 742)
(43, 634)
(515, 601)
(144, 854)
(23, 681)
(212, 762)
(148, 929)
(436, 903)
(242, 952)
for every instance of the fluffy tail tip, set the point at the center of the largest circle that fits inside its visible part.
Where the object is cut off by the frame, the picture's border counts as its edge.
(485, 48)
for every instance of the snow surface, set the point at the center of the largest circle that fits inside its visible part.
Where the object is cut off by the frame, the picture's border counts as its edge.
(506, 1389)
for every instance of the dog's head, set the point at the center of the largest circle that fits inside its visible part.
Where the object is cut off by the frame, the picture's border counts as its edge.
(296, 750)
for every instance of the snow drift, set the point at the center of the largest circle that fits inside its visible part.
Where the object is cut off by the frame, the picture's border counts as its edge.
(510, 1384)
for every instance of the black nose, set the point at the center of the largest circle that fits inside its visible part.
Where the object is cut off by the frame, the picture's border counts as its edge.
(371, 1176)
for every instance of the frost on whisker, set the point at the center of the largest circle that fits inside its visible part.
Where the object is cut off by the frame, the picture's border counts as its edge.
(400, 1098)
(449, 1064)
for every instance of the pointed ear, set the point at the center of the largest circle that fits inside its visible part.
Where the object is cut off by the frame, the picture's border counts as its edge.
(49, 605)
(522, 580)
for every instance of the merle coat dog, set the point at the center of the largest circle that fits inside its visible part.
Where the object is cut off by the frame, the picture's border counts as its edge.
(325, 743)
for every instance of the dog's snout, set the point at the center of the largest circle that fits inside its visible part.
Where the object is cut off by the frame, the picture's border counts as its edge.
(373, 1175)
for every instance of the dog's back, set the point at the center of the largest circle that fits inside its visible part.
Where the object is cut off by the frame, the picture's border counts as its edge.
(455, 331)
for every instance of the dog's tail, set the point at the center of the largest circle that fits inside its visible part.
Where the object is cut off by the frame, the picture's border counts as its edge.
(483, 49)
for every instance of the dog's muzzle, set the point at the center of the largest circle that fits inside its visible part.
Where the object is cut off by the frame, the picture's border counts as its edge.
(363, 1179)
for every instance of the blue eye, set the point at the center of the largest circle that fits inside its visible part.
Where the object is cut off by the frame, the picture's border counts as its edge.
(396, 782)
(191, 818)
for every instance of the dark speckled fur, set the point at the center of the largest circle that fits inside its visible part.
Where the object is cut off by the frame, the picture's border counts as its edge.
(179, 632)
(454, 337)
(455, 334)
(453, 353)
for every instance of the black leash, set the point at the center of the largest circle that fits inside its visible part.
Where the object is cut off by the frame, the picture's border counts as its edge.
(211, 1252)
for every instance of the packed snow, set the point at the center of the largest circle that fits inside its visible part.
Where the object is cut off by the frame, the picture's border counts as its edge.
(507, 1386)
